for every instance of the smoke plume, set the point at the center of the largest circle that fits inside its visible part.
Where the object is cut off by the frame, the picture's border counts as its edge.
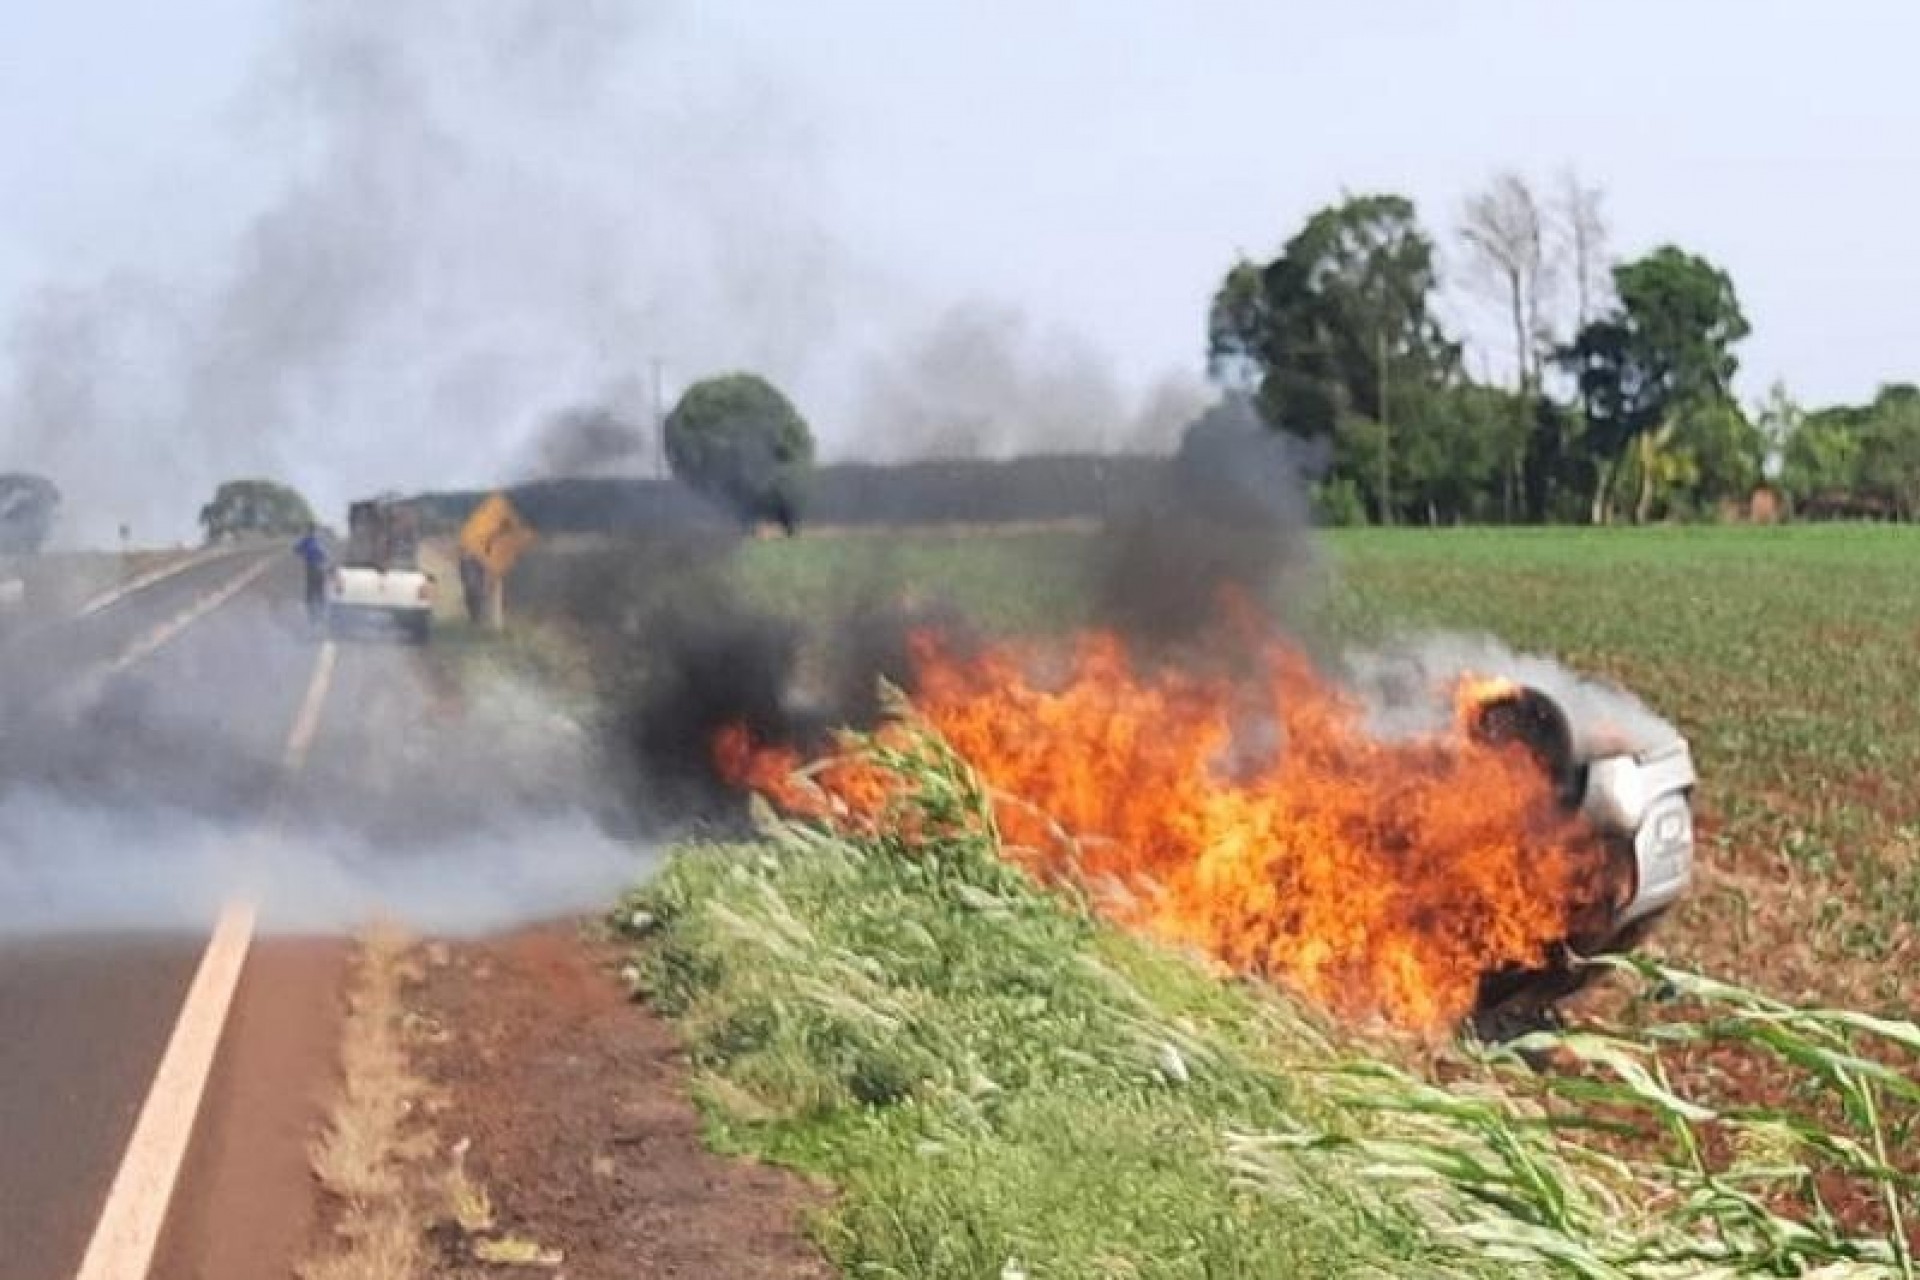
(597, 440)
(147, 800)
(1230, 519)
(485, 212)
(980, 382)
(1404, 684)
(470, 219)
(167, 870)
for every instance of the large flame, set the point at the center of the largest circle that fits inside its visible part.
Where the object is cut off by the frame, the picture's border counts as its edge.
(1254, 817)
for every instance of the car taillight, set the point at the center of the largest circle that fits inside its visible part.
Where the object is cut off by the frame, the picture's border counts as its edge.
(426, 591)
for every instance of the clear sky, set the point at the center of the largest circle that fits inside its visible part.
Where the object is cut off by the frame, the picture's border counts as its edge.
(272, 248)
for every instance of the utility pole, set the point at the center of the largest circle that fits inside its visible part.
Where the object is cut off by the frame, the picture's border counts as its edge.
(659, 424)
(1386, 438)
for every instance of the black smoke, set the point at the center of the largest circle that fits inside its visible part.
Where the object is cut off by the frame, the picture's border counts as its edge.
(1229, 513)
(590, 441)
(684, 652)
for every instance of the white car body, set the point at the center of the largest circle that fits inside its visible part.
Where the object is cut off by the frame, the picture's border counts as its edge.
(1644, 798)
(1637, 797)
(397, 597)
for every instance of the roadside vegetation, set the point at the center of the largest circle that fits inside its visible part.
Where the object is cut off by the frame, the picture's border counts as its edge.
(999, 1084)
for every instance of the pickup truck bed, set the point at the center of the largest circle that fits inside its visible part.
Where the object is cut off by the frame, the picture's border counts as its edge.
(362, 596)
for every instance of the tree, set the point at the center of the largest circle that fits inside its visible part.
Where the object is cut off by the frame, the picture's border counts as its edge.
(1887, 463)
(1665, 346)
(1856, 460)
(1779, 419)
(1820, 458)
(1556, 470)
(738, 440)
(1458, 444)
(1236, 326)
(1729, 451)
(262, 508)
(1704, 456)
(1890, 466)
(1513, 259)
(1336, 324)
(1582, 233)
(1509, 257)
(28, 505)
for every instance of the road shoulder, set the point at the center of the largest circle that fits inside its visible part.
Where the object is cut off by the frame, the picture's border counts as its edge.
(572, 1104)
(246, 1203)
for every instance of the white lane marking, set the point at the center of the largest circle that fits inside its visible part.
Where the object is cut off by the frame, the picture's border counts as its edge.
(160, 573)
(123, 1243)
(147, 644)
(128, 1231)
(307, 724)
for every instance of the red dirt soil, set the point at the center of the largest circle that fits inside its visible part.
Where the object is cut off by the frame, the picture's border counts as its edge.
(575, 1102)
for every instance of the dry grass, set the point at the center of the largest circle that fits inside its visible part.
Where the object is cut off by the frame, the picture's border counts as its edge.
(466, 1201)
(368, 1154)
(386, 1248)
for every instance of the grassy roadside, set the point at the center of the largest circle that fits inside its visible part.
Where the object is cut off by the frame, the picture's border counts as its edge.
(999, 1084)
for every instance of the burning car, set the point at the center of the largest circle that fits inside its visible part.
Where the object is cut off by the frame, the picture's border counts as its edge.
(1637, 799)
(1414, 845)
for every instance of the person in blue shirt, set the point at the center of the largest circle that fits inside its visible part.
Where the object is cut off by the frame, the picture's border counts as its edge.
(313, 553)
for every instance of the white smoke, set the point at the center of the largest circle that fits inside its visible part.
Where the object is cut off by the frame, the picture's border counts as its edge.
(68, 865)
(476, 214)
(491, 209)
(1406, 685)
(454, 803)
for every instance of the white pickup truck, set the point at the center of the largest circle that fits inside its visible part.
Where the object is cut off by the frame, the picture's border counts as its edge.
(378, 582)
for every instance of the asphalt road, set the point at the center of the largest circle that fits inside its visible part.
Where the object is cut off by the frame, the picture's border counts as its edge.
(112, 791)
(85, 1020)
(197, 727)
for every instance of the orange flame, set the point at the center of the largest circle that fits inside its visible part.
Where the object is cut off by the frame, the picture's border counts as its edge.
(1256, 819)
(1474, 692)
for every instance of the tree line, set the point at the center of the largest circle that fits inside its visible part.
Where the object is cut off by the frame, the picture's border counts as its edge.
(1617, 404)
(1614, 403)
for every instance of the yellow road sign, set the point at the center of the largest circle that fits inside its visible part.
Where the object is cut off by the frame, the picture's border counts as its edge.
(495, 535)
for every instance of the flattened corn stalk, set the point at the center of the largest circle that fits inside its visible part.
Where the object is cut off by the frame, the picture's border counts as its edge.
(1528, 1185)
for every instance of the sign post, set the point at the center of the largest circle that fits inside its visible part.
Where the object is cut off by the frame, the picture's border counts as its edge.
(493, 538)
